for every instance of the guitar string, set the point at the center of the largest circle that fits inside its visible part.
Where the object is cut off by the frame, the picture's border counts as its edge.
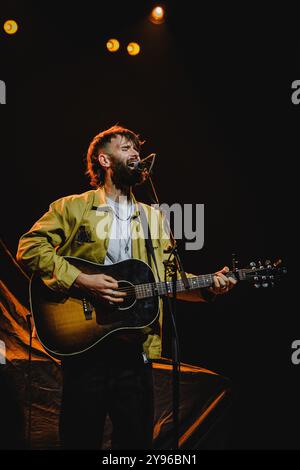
(204, 279)
(147, 287)
(160, 284)
(144, 287)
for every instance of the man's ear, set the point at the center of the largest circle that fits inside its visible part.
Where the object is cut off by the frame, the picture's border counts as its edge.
(104, 160)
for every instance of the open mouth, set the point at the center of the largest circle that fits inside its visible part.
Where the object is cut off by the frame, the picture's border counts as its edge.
(131, 162)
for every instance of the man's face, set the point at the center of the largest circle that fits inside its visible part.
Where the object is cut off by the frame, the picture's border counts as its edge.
(120, 152)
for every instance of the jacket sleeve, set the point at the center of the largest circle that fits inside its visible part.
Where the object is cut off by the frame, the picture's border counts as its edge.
(37, 249)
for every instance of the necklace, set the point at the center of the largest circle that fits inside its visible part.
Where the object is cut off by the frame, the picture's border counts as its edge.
(120, 235)
(113, 206)
(124, 233)
(126, 246)
(120, 218)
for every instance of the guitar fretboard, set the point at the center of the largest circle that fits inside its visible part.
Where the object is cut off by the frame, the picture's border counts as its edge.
(163, 288)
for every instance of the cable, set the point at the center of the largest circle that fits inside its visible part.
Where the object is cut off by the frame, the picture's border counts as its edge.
(28, 385)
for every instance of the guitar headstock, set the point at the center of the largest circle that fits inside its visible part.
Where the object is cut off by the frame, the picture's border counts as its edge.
(263, 275)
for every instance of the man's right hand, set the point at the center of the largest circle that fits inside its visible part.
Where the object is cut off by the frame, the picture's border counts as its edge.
(102, 286)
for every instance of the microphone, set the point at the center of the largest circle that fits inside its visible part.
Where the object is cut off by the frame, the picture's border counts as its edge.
(143, 165)
(137, 166)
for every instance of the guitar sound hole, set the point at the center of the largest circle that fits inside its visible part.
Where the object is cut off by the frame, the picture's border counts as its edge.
(130, 298)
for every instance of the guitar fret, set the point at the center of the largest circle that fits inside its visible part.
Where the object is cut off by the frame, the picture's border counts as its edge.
(146, 290)
(139, 291)
(162, 288)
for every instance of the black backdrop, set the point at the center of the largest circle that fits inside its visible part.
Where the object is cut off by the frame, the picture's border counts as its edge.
(211, 95)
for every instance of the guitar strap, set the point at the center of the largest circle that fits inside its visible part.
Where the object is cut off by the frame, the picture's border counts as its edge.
(148, 239)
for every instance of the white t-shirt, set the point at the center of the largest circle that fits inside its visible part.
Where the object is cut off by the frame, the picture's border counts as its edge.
(119, 247)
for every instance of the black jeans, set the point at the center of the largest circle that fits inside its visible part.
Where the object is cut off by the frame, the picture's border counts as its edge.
(114, 380)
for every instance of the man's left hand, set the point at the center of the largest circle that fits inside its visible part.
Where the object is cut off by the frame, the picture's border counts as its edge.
(222, 283)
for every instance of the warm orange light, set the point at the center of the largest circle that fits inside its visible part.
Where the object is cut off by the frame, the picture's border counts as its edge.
(133, 48)
(113, 45)
(10, 27)
(157, 15)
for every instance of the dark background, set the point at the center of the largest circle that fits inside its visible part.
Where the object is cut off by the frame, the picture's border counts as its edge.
(210, 93)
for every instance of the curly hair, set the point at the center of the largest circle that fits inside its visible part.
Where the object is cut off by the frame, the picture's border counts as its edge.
(94, 170)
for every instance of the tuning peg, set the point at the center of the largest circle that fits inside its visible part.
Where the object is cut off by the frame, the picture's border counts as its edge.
(253, 265)
(257, 286)
(268, 263)
(265, 284)
(234, 262)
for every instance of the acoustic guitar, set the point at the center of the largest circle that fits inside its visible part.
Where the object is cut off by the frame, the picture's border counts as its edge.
(71, 323)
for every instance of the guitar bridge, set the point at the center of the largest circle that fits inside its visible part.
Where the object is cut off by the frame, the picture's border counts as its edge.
(87, 309)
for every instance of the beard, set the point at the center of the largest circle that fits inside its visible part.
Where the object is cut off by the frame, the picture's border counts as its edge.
(123, 176)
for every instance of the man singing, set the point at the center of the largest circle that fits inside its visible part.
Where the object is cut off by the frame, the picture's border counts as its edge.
(104, 226)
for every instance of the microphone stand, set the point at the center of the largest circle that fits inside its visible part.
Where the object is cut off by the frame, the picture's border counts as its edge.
(173, 267)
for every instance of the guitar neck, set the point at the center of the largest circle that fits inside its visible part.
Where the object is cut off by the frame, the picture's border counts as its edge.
(195, 282)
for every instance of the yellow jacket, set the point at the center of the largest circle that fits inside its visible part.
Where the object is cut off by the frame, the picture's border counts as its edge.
(79, 225)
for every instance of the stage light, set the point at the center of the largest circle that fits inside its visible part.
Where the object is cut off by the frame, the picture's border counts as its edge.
(113, 45)
(10, 27)
(157, 15)
(133, 48)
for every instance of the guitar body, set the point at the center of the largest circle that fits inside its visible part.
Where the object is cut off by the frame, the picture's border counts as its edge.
(69, 324)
